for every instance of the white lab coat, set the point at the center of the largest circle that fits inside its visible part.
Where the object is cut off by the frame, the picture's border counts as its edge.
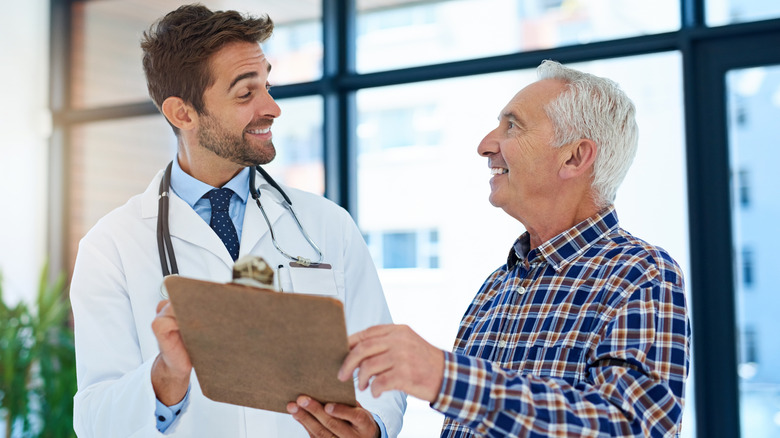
(116, 288)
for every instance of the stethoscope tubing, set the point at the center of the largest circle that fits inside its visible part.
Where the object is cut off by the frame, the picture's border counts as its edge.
(165, 245)
(288, 205)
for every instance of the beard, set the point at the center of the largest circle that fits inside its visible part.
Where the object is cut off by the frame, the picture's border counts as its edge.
(229, 146)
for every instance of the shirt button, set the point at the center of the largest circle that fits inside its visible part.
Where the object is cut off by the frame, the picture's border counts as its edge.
(521, 290)
(502, 343)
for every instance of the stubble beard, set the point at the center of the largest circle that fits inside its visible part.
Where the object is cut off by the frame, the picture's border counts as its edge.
(235, 148)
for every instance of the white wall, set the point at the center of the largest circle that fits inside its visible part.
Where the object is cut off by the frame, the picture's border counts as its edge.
(24, 132)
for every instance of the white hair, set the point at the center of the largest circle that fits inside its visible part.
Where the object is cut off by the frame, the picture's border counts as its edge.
(597, 109)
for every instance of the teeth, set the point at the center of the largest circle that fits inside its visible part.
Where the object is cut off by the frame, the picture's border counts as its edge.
(260, 131)
(498, 171)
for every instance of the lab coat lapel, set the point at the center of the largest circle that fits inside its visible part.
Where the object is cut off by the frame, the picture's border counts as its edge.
(184, 223)
(255, 226)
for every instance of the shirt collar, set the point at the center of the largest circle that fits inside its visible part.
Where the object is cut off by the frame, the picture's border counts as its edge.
(191, 189)
(566, 245)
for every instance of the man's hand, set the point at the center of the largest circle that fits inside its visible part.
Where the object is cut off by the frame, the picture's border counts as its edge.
(333, 419)
(172, 367)
(396, 358)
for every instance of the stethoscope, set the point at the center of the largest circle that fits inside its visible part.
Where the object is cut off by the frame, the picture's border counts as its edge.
(165, 246)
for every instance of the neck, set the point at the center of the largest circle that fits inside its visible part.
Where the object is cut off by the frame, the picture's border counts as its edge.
(557, 216)
(206, 166)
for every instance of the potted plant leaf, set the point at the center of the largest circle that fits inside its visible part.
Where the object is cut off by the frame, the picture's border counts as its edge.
(37, 363)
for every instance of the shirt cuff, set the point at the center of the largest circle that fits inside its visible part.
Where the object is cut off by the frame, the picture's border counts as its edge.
(166, 415)
(465, 388)
(382, 429)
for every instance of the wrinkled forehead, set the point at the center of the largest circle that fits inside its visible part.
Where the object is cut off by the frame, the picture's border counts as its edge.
(534, 98)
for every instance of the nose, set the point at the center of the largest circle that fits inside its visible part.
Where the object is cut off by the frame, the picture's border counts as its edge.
(488, 146)
(267, 107)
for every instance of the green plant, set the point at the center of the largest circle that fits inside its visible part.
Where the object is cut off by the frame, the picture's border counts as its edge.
(37, 363)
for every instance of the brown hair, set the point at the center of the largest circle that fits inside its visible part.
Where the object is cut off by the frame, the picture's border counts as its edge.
(177, 49)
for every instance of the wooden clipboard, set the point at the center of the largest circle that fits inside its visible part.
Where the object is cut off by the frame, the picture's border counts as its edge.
(261, 348)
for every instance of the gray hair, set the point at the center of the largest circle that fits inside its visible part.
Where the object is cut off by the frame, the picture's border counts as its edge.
(597, 109)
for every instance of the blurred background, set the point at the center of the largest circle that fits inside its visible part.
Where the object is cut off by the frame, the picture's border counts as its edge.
(383, 105)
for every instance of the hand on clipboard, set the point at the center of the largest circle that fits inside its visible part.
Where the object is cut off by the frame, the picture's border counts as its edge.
(248, 346)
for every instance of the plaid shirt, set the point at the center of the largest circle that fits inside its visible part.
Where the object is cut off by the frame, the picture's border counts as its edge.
(586, 335)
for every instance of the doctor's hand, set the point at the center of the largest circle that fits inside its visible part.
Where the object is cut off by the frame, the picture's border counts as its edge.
(171, 368)
(396, 358)
(333, 419)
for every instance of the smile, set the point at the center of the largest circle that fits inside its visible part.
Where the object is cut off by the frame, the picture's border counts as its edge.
(259, 131)
(498, 170)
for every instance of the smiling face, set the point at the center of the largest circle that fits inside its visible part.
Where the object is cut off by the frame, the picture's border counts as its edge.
(522, 160)
(239, 111)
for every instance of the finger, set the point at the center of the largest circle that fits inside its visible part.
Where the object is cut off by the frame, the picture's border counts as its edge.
(386, 381)
(374, 331)
(360, 419)
(367, 348)
(165, 322)
(306, 420)
(162, 304)
(372, 367)
(331, 424)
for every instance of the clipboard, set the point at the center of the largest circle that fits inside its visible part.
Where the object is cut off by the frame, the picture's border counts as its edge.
(261, 348)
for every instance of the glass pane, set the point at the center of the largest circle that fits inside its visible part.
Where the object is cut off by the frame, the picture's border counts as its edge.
(419, 172)
(754, 109)
(106, 169)
(404, 33)
(107, 56)
(298, 141)
(722, 12)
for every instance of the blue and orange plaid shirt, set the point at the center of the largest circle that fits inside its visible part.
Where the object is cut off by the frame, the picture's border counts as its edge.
(587, 335)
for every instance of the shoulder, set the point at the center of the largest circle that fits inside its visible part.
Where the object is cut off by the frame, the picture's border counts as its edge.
(140, 209)
(636, 259)
(119, 222)
(309, 198)
(307, 203)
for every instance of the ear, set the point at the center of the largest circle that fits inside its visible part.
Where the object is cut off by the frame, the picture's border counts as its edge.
(580, 159)
(179, 113)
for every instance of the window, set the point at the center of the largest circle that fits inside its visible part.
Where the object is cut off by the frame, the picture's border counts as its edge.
(747, 267)
(720, 12)
(404, 249)
(754, 147)
(400, 33)
(744, 188)
(388, 126)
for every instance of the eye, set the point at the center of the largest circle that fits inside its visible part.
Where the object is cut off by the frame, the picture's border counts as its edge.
(245, 96)
(268, 86)
(510, 124)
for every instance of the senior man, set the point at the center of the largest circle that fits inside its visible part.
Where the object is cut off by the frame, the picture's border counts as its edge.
(584, 331)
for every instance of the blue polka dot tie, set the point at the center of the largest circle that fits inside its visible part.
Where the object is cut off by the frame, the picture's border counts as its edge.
(220, 219)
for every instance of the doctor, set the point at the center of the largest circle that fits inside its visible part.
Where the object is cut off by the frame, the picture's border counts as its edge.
(207, 74)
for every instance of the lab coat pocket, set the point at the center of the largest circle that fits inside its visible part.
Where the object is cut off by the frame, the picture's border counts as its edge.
(338, 274)
(313, 280)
